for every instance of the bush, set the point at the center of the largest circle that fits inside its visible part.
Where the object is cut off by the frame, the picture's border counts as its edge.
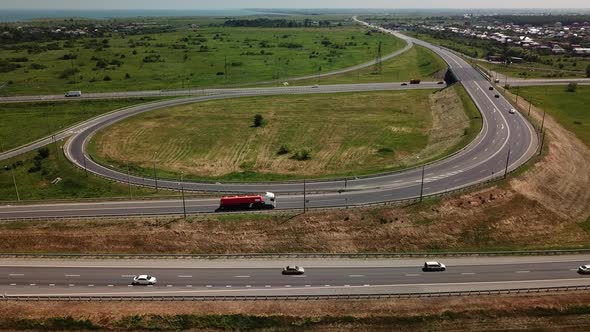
(37, 66)
(258, 119)
(127, 76)
(66, 73)
(43, 152)
(302, 155)
(572, 87)
(283, 149)
(107, 78)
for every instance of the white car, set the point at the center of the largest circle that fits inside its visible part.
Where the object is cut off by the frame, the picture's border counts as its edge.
(144, 279)
(293, 270)
(584, 269)
(433, 266)
(512, 111)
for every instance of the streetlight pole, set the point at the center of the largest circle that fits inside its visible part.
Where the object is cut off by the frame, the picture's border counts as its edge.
(182, 191)
(422, 184)
(543, 121)
(15, 186)
(542, 143)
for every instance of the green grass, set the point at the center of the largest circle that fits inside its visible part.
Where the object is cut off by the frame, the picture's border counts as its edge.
(367, 133)
(570, 109)
(74, 183)
(538, 70)
(470, 50)
(244, 54)
(416, 63)
(472, 112)
(23, 123)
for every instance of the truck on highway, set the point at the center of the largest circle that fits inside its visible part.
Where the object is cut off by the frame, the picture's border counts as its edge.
(414, 81)
(266, 201)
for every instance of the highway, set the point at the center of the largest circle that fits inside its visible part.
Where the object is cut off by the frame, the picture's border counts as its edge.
(505, 139)
(239, 277)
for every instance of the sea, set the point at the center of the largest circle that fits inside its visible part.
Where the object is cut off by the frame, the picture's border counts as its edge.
(9, 15)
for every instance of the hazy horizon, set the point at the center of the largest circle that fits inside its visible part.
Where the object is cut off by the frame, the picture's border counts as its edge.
(302, 4)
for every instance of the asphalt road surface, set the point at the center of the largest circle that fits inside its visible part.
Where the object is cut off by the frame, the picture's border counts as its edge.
(351, 276)
(505, 139)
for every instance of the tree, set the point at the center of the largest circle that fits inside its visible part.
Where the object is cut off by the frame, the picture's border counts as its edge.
(43, 152)
(258, 120)
(588, 71)
(572, 87)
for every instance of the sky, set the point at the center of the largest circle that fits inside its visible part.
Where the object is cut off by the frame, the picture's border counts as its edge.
(227, 4)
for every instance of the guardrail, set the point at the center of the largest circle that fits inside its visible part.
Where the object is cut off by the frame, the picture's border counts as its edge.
(301, 255)
(513, 291)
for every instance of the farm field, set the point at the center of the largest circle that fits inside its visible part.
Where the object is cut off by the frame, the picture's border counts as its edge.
(210, 56)
(416, 63)
(366, 133)
(23, 123)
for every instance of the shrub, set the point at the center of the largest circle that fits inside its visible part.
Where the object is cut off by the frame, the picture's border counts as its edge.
(43, 152)
(572, 87)
(258, 119)
(127, 76)
(107, 78)
(66, 73)
(283, 149)
(302, 155)
(37, 66)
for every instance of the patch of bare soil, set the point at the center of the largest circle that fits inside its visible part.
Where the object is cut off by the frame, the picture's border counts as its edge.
(456, 314)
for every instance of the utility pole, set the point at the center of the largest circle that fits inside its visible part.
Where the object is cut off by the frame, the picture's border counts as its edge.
(507, 161)
(543, 121)
(15, 186)
(304, 197)
(129, 181)
(182, 191)
(378, 68)
(319, 73)
(422, 183)
(155, 174)
(542, 143)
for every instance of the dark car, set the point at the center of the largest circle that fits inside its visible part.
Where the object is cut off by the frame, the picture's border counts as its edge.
(491, 88)
(497, 96)
(404, 84)
(441, 82)
(293, 270)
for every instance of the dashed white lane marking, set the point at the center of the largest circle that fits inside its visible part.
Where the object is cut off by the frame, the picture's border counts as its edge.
(248, 286)
(109, 285)
(71, 285)
(228, 286)
(189, 286)
(72, 275)
(467, 273)
(129, 285)
(412, 275)
(127, 276)
(307, 285)
(288, 286)
(32, 284)
(90, 285)
(366, 285)
(51, 285)
(16, 274)
(168, 285)
(326, 285)
(346, 285)
(267, 286)
(185, 276)
(208, 286)
(12, 284)
(523, 271)
(356, 275)
(242, 277)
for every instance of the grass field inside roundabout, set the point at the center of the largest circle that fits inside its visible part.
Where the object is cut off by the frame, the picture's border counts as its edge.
(302, 136)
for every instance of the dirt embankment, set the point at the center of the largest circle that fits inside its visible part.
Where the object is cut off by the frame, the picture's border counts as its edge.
(548, 312)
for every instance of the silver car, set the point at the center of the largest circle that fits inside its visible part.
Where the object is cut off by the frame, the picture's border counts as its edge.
(144, 279)
(584, 269)
(433, 266)
(293, 270)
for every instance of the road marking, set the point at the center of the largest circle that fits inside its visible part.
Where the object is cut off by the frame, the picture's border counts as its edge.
(51, 285)
(90, 285)
(307, 285)
(72, 275)
(326, 285)
(71, 285)
(12, 284)
(523, 271)
(267, 286)
(412, 275)
(32, 284)
(185, 276)
(248, 286)
(356, 275)
(467, 273)
(16, 274)
(228, 286)
(109, 285)
(346, 285)
(366, 285)
(242, 277)
(189, 286)
(127, 276)
(168, 285)
(129, 285)
(287, 286)
(208, 286)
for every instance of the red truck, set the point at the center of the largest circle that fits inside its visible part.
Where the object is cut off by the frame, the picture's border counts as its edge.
(266, 201)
